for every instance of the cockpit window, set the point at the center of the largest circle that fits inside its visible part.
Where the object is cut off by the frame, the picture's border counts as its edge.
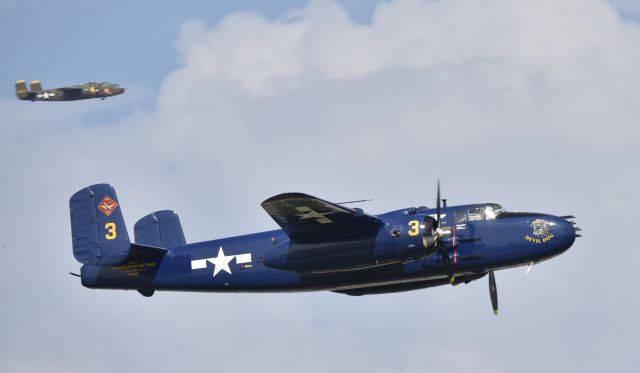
(481, 213)
(476, 214)
(489, 212)
(492, 210)
(459, 216)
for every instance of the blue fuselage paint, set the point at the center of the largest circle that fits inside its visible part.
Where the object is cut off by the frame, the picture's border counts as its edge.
(391, 257)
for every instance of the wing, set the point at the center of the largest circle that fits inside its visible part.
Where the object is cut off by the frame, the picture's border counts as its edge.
(71, 90)
(307, 218)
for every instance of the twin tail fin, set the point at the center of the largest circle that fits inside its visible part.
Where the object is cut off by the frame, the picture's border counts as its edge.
(21, 90)
(99, 233)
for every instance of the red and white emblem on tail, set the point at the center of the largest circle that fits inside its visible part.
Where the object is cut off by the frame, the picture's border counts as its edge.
(107, 205)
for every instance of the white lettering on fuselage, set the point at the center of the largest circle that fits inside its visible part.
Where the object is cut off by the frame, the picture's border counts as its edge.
(220, 262)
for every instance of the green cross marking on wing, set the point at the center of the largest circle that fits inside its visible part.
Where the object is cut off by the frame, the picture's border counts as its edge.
(309, 213)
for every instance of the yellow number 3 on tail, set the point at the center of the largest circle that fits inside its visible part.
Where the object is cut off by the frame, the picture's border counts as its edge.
(111, 231)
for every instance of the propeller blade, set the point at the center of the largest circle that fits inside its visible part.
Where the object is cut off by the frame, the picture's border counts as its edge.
(444, 251)
(493, 291)
(438, 206)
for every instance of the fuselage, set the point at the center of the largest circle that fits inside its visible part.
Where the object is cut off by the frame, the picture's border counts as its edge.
(76, 92)
(482, 239)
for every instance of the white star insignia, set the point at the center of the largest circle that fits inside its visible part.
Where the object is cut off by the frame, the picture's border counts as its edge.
(221, 262)
(46, 95)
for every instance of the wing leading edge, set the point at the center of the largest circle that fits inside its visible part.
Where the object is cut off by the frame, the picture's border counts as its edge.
(307, 218)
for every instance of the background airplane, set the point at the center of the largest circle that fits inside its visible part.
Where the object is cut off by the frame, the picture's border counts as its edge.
(321, 246)
(85, 91)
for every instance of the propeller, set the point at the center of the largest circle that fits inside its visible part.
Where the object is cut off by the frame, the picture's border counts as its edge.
(92, 88)
(98, 89)
(444, 251)
(493, 291)
(438, 208)
(433, 239)
(433, 236)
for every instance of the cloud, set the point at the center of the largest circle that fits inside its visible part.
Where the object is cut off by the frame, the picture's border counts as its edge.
(252, 52)
(426, 84)
(628, 8)
(448, 53)
(532, 104)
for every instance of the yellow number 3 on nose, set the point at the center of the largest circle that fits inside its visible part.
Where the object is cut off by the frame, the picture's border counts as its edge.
(415, 228)
(111, 231)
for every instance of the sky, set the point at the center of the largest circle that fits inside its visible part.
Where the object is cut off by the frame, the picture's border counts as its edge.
(531, 104)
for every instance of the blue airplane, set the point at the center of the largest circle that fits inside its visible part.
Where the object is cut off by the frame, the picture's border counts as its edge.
(321, 246)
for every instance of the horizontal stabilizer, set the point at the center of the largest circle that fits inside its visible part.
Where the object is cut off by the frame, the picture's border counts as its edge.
(307, 218)
(160, 229)
(138, 250)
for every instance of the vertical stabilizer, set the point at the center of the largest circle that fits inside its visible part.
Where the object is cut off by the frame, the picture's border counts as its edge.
(160, 229)
(21, 90)
(97, 227)
(35, 86)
